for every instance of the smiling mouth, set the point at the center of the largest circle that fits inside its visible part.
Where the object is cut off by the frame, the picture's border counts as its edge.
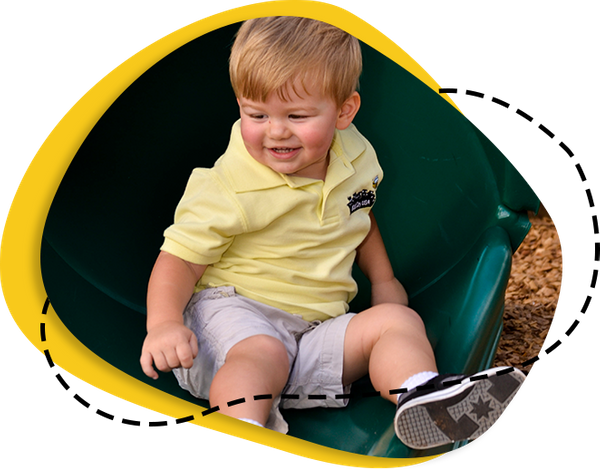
(283, 152)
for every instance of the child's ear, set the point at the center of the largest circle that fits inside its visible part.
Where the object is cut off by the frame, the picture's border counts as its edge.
(348, 111)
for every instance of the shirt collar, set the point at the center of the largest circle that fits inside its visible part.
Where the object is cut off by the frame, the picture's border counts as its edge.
(246, 174)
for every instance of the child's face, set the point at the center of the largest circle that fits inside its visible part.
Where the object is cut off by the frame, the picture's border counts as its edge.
(293, 137)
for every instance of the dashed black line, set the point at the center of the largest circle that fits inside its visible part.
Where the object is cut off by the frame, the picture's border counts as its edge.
(45, 307)
(239, 401)
(48, 358)
(430, 386)
(184, 420)
(478, 377)
(288, 396)
(242, 400)
(531, 361)
(43, 333)
(263, 397)
(397, 391)
(214, 409)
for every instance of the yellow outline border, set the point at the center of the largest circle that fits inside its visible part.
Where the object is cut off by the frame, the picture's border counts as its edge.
(19, 254)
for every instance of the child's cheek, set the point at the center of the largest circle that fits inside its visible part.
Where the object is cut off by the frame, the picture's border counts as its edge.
(251, 136)
(319, 139)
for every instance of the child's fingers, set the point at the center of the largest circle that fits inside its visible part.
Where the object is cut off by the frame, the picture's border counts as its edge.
(182, 357)
(146, 363)
(194, 344)
(185, 355)
(168, 356)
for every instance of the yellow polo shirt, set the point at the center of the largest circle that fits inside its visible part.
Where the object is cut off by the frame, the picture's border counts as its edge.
(282, 240)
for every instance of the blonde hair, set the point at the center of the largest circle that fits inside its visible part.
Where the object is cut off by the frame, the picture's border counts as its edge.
(270, 54)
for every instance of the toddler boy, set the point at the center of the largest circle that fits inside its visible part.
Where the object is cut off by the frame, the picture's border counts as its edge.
(249, 295)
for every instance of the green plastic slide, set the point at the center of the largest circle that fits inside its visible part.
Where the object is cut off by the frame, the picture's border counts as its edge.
(451, 209)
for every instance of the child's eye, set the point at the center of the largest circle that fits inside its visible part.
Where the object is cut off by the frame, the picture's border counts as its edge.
(258, 116)
(297, 116)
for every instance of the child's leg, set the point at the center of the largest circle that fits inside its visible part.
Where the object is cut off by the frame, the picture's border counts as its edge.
(257, 365)
(389, 342)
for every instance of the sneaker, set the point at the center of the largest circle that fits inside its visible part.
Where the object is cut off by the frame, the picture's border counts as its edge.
(451, 408)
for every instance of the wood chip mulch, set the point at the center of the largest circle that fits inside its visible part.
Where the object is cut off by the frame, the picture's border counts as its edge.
(532, 293)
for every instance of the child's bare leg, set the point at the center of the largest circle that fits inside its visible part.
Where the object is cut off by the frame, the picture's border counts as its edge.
(258, 365)
(389, 342)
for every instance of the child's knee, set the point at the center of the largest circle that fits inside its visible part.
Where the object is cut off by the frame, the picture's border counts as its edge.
(270, 346)
(398, 316)
(261, 347)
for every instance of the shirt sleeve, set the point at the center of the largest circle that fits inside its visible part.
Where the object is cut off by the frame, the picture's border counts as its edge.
(207, 219)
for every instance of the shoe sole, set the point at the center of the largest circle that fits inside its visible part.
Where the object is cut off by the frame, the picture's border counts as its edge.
(459, 413)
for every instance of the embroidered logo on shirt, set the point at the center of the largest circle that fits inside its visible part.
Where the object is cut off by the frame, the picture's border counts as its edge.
(364, 198)
(361, 199)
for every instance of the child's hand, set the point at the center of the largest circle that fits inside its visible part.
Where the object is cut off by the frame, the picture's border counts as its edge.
(390, 291)
(169, 345)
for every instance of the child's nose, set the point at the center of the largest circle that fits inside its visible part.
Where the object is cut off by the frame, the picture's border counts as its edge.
(277, 129)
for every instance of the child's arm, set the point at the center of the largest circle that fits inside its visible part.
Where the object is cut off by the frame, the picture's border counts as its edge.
(169, 344)
(373, 261)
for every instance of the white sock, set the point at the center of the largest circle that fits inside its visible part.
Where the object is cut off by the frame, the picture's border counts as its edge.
(418, 379)
(251, 421)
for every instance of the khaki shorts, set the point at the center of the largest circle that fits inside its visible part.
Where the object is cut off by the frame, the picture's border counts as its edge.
(220, 318)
